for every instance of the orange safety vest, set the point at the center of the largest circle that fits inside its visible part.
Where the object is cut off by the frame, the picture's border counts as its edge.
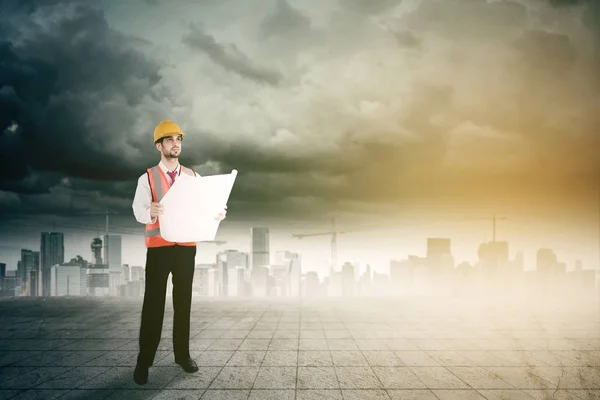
(159, 185)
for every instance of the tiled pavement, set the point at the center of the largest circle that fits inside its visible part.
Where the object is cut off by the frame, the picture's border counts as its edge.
(410, 348)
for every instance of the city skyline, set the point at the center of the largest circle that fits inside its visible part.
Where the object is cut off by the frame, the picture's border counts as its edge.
(365, 111)
(261, 273)
(208, 251)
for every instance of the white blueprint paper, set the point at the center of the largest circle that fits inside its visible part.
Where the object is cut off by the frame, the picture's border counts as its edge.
(191, 206)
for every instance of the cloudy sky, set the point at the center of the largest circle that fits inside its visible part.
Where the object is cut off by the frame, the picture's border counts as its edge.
(415, 117)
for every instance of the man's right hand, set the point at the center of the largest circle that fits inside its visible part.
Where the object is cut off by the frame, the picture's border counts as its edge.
(156, 209)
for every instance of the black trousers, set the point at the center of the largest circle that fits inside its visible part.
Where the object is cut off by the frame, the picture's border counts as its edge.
(160, 262)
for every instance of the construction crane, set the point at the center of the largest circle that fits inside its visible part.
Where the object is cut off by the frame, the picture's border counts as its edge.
(333, 233)
(106, 213)
(493, 218)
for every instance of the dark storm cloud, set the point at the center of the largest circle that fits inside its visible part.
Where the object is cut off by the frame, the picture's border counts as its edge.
(370, 7)
(230, 57)
(544, 52)
(68, 88)
(285, 20)
(466, 19)
(368, 120)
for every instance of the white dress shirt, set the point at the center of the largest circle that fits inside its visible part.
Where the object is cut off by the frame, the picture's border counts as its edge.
(143, 196)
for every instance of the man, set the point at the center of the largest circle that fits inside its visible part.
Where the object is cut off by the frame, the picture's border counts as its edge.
(163, 257)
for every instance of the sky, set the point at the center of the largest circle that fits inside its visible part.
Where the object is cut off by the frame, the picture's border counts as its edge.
(403, 119)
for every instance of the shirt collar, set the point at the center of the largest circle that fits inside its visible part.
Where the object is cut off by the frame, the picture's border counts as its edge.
(165, 169)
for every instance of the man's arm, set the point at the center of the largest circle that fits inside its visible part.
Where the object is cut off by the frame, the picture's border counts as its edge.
(142, 201)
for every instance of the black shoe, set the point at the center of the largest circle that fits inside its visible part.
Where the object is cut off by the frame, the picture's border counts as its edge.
(188, 364)
(140, 375)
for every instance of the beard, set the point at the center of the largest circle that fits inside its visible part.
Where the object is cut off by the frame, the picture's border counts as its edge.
(173, 153)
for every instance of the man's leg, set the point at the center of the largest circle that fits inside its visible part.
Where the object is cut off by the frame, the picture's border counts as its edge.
(183, 276)
(157, 274)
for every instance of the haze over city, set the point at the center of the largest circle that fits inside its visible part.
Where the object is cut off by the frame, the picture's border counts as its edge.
(410, 118)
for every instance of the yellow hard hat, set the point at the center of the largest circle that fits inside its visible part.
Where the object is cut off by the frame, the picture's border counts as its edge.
(166, 128)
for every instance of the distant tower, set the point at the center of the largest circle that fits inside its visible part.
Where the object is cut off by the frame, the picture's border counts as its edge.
(52, 252)
(260, 247)
(112, 252)
(96, 247)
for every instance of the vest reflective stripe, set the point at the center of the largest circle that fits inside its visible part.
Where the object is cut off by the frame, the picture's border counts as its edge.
(159, 185)
(152, 232)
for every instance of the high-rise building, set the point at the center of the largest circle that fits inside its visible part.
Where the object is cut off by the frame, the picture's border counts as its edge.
(439, 254)
(546, 261)
(126, 273)
(295, 275)
(348, 282)
(438, 246)
(260, 247)
(65, 280)
(96, 248)
(493, 257)
(137, 273)
(112, 252)
(52, 252)
(2, 270)
(313, 285)
(27, 272)
(286, 273)
(231, 266)
(202, 280)
(97, 273)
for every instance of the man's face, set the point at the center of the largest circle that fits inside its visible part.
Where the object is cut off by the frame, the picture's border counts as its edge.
(171, 146)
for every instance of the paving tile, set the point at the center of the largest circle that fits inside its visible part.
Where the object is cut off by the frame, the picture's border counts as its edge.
(317, 378)
(329, 348)
(235, 378)
(416, 359)
(78, 394)
(319, 394)
(276, 378)
(72, 378)
(281, 358)
(357, 378)
(246, 358)
(413, 394)
(283, 344)
(225, 344)
(31, 377)
(465, 394)
(505, 394)
(7, 394)
(262, 394)
(135, 394)
(313, 344)
(286, 334)
(553, 394)
(39, 394)
(213, 358)
(114, 378)
(366, 394)
(438, 378)
(398, 378)
(254, 344)
(314, 358)
(200, 379)
(348, 359)
(235, 334)
(382, 359)
(193, 394)
(342, 344)
(521, 377)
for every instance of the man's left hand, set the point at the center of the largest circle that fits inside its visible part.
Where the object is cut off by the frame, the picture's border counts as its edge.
(221, 216)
